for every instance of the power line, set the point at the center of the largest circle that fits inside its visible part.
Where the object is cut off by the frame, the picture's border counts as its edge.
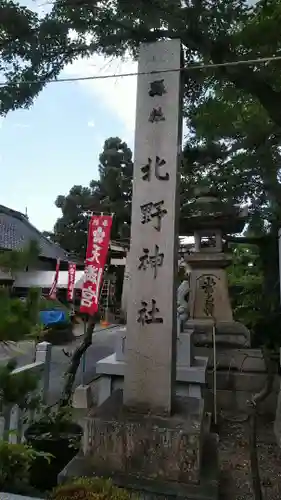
(191, 67)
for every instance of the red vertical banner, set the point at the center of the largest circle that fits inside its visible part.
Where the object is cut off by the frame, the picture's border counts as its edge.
(53, 289)
(71, 281)
(97, 248)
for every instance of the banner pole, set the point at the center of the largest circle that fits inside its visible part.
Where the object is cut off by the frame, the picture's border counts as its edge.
(96, 255)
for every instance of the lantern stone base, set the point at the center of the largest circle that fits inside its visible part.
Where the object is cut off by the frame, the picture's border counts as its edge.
(228, 333)
(151, 454)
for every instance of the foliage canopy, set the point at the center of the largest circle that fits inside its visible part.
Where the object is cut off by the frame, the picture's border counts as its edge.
(37, 47)
(110, 194)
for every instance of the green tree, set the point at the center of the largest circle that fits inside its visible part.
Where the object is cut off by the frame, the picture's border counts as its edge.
(225, 152)
(13, 261)
(17, 317)
(234, 146)
(31, 48)
(110, 194)
(245, 277)
(213, 31)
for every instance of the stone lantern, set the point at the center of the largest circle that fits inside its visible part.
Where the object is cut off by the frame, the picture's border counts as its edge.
(209, 221)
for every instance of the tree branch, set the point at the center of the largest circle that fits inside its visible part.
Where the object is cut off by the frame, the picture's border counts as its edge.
(75, 362)
(248, 80)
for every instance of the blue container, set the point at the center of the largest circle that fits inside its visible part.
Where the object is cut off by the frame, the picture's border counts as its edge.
(53, 317)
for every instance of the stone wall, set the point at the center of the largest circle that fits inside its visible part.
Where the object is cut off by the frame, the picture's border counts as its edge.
(240, 373)
(228, 398)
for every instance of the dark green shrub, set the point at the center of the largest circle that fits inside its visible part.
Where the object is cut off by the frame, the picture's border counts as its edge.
(16, 388)
(90, 489)
(15, 463)
(59, 333)
(18, 317)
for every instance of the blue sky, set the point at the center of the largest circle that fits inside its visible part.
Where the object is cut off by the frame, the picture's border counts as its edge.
(55, 144)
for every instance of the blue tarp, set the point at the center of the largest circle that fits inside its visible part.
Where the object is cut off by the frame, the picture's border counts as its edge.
(51, 317)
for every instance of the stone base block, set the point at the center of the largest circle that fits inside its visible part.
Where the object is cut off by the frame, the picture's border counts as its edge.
(155, 489)
(143, 445)
(231, 333)
(82, 397)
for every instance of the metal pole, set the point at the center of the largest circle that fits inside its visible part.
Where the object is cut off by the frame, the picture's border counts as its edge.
(83, 370)
(279, 251)
(215, 371)
(107, 302)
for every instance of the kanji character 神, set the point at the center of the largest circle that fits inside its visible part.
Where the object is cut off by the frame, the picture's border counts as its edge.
(154, 261)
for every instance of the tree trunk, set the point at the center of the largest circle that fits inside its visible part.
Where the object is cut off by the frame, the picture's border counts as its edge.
(254, 405)
(75, 362)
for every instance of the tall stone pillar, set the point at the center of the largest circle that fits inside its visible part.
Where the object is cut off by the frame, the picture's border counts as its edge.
(134, 436)
(151, 307)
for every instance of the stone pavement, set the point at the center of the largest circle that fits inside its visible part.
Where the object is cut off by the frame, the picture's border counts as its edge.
(78, 329)
(103, 345)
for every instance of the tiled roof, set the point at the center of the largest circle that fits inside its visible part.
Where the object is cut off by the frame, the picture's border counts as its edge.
(16, 232)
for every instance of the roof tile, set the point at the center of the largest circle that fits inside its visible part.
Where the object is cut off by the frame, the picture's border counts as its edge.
(16, 232)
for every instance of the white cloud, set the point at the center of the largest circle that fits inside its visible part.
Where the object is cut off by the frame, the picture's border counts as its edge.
(41, 7)
(91, 123)
(117, 94)
(21, 125)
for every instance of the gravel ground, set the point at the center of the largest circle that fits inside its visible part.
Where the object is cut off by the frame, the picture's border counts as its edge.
(235, 464)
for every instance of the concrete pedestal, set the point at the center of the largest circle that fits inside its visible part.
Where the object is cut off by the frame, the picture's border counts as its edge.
(174, 456)
(153, 447)
(82, 397)
(228, 333)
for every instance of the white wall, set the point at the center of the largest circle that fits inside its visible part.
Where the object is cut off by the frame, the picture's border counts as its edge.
(44, 279)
